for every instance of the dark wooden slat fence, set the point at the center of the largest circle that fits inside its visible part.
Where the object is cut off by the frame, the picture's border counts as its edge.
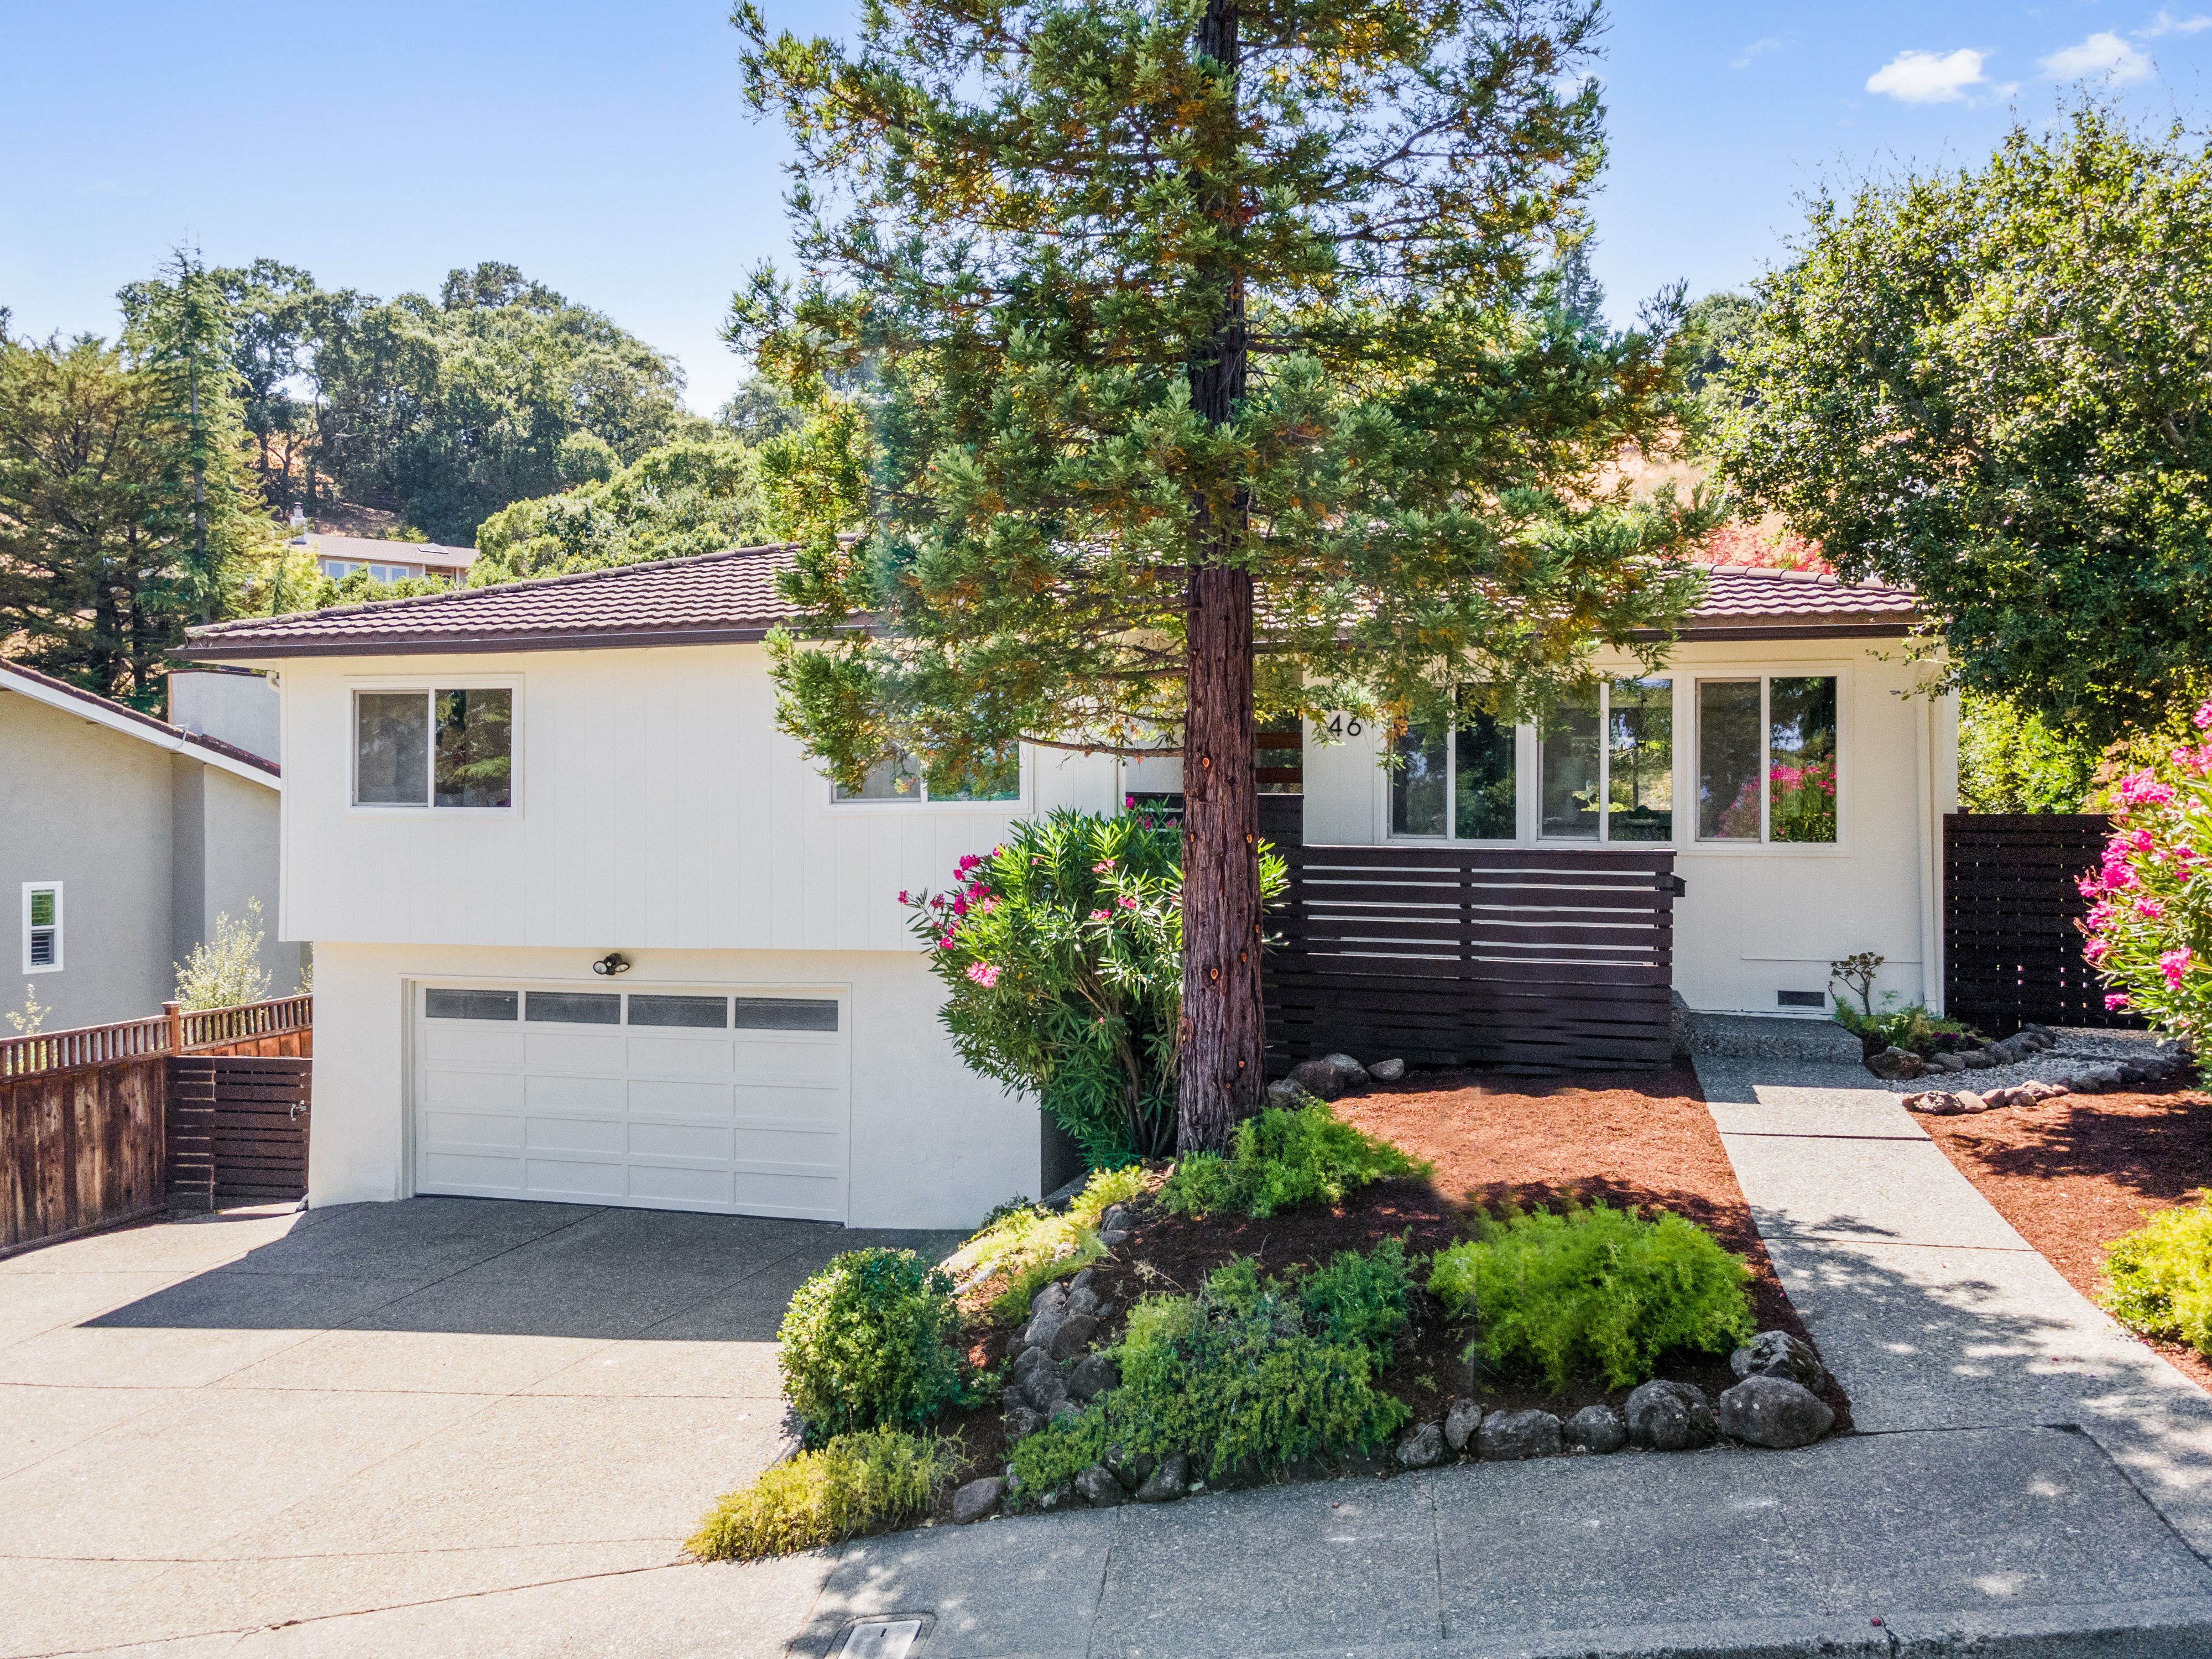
(1521, 958)
(2012, 952)
(238, 1129)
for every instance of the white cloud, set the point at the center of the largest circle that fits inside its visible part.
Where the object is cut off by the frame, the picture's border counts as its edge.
(2102, 54)
(1928, 77)
(1756, 50)
(2166, 23)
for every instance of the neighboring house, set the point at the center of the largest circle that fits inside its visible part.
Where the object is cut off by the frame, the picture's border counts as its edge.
(339, 556)
(122, 839)
(493, 795)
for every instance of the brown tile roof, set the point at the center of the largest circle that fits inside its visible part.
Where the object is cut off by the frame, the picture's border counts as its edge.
(129, 719)
(719, 598)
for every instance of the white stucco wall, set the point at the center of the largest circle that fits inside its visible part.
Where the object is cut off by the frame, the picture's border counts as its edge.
(932, 1143)
(1757, 919)
(241, 709)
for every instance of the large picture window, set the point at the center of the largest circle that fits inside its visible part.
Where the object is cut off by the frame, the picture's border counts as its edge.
(435, 748)
(903, 779)
(1607, 763)
(1766, 759)
(1459, 784)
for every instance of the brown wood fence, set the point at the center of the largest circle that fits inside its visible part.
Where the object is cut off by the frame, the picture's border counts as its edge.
(2012, 952)
(1522, 958)
(85, 1116)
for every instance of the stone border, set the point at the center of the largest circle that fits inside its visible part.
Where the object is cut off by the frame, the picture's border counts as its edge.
(2167, 1064)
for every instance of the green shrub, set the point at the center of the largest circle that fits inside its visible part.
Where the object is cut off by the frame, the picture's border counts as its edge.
(1061, 957)
(1027, 1246)
(1361, 1299)
(867, 1343)
(1911, 1027)
(1596, 1292)
(855, 1482)
(1239, 1376)
(1281, 1159)
(2158, 1278)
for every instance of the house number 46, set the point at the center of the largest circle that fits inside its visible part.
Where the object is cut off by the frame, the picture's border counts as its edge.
(1339, 726)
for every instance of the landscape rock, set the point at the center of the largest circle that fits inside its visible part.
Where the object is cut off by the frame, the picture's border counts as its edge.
(1098, 1488)
(1597, 1428)
(1423, 1448)
(1118, 1218)
(1664, 1416)
(1949, 1062)
(1093, 1375)
(1166, 1483)
(1317, 1078)
(1042, 1329)
(1053, 1299)
(2036, 1091)
(1057, 1497)
(1131, 1471)
(1779, 1353)
(1508, 1435)
(1072, 1336)
(1062, 1409)
(1285, 1094)
(1463, 1418)
(2095, 1079)
(1022, 1422)
(1021, 1376)
(1085, 1301)
(1935, 1102)
(977, 1499)
(1387, 1070)
(1772, 1411)
(1966, 1100)
(1894, 1063)
(1978, 1060)
(1349, 1072)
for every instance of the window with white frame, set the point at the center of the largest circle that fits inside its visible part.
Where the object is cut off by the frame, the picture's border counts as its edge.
(1604, 765)
(42, 926)
(1766, 759)
(903, 779)
(434, 749)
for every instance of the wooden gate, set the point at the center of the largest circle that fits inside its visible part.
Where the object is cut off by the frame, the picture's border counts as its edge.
(1523, 958)
(238, 1130)
(2012, 952)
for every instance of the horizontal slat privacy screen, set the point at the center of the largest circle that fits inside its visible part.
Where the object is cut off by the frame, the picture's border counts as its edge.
(1462, 955)
(605, 1008)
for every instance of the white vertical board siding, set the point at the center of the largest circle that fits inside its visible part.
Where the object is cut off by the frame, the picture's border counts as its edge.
(657, 807)
(1759, 920)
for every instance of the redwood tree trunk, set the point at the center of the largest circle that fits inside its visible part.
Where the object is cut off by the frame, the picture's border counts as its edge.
(1223, 1033)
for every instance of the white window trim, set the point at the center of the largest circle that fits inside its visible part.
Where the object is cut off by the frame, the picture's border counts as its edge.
(427, 688)
(60, 926)
(1689, 781)
(1528, 781)
(1019, 806)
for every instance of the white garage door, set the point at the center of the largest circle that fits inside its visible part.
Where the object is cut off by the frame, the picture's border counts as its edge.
(735, 1102)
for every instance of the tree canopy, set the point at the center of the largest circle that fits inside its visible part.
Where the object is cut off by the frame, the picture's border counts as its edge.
(1174, 315)
(1994, 385)
(696, 495)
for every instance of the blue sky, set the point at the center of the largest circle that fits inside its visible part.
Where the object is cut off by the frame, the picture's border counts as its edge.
(605, 149)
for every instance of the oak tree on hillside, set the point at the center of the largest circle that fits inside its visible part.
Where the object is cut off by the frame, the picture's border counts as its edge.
(1181, 360)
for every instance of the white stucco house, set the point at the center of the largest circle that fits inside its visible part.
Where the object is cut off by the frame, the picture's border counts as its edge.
(496, 796)
(122, 838)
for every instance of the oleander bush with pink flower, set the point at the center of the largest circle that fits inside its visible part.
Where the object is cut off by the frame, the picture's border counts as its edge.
(2149, 926)
(1061, 953)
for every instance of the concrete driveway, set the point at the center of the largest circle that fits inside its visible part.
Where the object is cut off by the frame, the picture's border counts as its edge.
(374, 1428)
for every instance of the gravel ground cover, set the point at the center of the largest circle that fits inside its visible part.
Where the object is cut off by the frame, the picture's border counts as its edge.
(2077, 1046)
(2073, 1173)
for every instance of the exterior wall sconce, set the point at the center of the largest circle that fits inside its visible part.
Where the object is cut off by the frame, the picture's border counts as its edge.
(613, 963)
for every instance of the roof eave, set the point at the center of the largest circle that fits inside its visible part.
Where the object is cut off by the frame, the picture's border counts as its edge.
(462, 643)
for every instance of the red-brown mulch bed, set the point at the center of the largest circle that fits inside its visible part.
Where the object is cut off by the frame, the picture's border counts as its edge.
(2073, 1173)
(1642, 1138)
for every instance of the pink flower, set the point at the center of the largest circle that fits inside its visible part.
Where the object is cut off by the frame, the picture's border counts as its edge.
(2096, 950)
(2173, 964)
(960, 905)
(2114, 1003)
(2089, 886)
(1104, 867)
(1126, 903)
(902, 897)
(987, 906)
(983, 974)
(2100, 915)
(946, 942)
(1128, 801)
(1101, 916)
(2137, 840)
(2141, 789)
(2150, 910)
(2203, 717)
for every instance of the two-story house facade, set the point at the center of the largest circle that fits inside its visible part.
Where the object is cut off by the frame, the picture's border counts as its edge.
(589, 927)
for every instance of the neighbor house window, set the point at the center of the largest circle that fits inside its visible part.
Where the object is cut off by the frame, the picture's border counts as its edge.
(42, 926)
(435, 748)
(902, 778)
(1766, 759)
(1461, 783)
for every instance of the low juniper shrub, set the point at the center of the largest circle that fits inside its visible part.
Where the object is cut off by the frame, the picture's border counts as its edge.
(855, 1483)
(2158, 1278)
(1241, 1376)
(1363, 1299)
(1593, 1293)
(868, 1343)
(1022, 1247)
(1281, 1159)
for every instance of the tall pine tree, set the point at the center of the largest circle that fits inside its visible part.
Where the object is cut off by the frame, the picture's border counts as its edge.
(1183, 360)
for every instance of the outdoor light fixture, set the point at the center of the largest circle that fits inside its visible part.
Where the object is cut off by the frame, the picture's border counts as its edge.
(612, 962)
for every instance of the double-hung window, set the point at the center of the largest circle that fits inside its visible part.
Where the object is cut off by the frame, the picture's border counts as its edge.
(902, 779)
(1766, 759)
(1603, 764)
(42, 926)
(435, 748)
